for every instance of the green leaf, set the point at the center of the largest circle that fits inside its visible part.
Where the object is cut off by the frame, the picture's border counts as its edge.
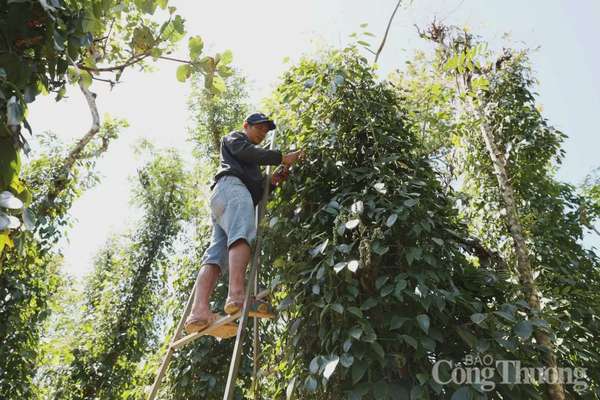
(314, 365)
(382, 280)
(380, 187)
(358, 207)
(524, 329)
(195, 46)
(391, 220)
(85, 78)
(353, 265)
(225, 72)
(412, 254)
(356, 332)
(478, 318)
(346, 360)
(400, 286)
(310, 384)
(353, 223)
(10, 163)
(378, 350)
(330, 367)
(380, 390)
(438, 241)
(397, 322)
(219, 85)
(416, 393)
(4, 241)
(505, 315)
(319, 249)
(462, 393)
(142, 39)
(370, 336)
(410, 202)
(540, 323)
(316, 289)
(467, 336)
(290, 388)
(183, 72)
(339, 266)
(422, 378)
(347, 345)
(337, 307)
(356, 311)
(378, 248)
(368, 304)
(428, 344)
(387, 289)
(358, 370)
(410, 340)
(226, 57)
(423, 320)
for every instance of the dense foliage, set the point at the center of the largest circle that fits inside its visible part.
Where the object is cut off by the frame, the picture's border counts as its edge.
(119, 320)
(553, 214)
(48, 45)
(391, 247)
(28, 271)
(385, 282)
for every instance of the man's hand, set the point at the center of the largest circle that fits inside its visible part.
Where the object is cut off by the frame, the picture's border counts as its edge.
(280, 175)
(292, 157)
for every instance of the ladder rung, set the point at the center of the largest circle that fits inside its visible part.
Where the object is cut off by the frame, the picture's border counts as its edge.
(209, 329)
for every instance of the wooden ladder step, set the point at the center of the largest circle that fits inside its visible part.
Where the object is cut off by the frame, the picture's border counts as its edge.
(210, 330)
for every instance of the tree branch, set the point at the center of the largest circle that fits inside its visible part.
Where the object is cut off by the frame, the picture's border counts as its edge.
(131, 61)
(60, 181)
(387, 30)
(176, 60)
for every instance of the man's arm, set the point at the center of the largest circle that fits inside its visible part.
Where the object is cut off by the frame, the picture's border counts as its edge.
(245, 151)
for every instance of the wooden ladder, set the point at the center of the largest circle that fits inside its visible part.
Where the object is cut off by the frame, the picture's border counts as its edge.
(179, 340)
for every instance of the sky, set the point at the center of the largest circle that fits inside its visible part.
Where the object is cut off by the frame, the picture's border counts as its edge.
(262, 33)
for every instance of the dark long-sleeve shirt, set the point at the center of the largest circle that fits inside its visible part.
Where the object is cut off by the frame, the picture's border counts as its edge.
(242, 158)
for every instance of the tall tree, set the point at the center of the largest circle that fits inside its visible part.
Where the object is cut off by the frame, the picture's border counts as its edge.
(199, 370)
(59, 176)
(502, 154)
(125, 289)
(47, 45)
(377, 279)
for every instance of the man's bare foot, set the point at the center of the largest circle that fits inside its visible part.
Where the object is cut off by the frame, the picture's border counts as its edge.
(199, 321)
(234, 303)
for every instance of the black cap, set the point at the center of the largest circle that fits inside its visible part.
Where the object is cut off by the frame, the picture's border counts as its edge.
(259, 118)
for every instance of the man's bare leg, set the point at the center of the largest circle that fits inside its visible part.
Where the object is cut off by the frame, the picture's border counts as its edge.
(207, 280)
(239, 256)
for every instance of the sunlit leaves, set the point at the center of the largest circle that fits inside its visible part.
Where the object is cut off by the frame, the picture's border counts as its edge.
(142, 39)
(9, 200)
(353, 223)
(183, 72)
(226, 57)
(330, 367)
(195, 46)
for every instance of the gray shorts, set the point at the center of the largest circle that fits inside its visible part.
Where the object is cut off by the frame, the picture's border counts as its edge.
(232, 216)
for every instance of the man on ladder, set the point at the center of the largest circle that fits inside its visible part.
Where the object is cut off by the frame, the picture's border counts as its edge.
(237, 189)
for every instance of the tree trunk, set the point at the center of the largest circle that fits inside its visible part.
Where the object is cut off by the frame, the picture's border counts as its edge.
(555, 390)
